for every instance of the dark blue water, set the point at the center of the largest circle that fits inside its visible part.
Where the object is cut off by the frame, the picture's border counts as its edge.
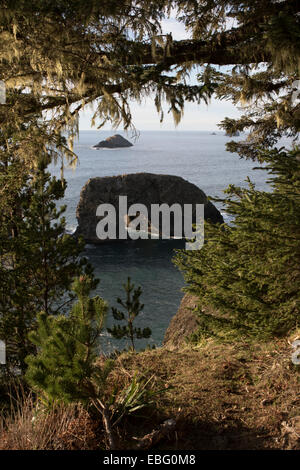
(148, 263)
(198, 157)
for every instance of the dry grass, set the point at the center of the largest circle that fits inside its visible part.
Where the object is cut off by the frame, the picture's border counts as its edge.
(65, 427)
(241, 396)
(233, 396)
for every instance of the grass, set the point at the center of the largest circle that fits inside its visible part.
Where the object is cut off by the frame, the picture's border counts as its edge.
(222, 396)
(63, 427)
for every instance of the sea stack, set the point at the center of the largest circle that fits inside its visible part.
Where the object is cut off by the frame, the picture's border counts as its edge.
(113, 142)
(140, 188)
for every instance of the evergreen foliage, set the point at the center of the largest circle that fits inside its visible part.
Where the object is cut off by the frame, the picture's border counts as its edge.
(249, 271)
(39, 260)
(133, 307)
(65, 367)
(111, 52)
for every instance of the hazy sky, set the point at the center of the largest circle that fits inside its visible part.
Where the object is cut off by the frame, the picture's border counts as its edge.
(196, 117)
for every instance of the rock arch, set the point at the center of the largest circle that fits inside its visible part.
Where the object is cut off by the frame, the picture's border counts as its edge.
(143, 188)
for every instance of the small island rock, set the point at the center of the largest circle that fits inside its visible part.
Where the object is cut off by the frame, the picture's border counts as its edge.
(113, 142)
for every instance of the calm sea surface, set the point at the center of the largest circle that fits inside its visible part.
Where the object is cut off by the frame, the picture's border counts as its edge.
(200, 158)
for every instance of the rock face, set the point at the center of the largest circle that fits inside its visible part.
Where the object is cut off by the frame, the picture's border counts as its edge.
(143, 188)
(183, 324)
(113, 142)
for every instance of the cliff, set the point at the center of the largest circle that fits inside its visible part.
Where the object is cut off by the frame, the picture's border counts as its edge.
(183, 324)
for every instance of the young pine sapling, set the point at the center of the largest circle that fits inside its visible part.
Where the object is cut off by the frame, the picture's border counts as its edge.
(133, 307)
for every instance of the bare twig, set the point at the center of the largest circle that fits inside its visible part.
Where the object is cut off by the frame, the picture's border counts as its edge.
(103, 409)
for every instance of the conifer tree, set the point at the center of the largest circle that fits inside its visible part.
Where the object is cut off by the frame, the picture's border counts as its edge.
(110, 52)
(132, 307)
(65, 367)
(250, 271)
(39, 260)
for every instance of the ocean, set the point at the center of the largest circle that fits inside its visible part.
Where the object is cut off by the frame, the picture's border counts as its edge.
(200, 158)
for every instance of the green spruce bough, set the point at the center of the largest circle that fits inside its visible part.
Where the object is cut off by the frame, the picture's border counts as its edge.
(65, 367)
(133, 307)
(249, 272)
(39, 260)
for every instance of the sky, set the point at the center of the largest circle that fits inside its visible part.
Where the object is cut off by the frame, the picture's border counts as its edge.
(197, 117)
